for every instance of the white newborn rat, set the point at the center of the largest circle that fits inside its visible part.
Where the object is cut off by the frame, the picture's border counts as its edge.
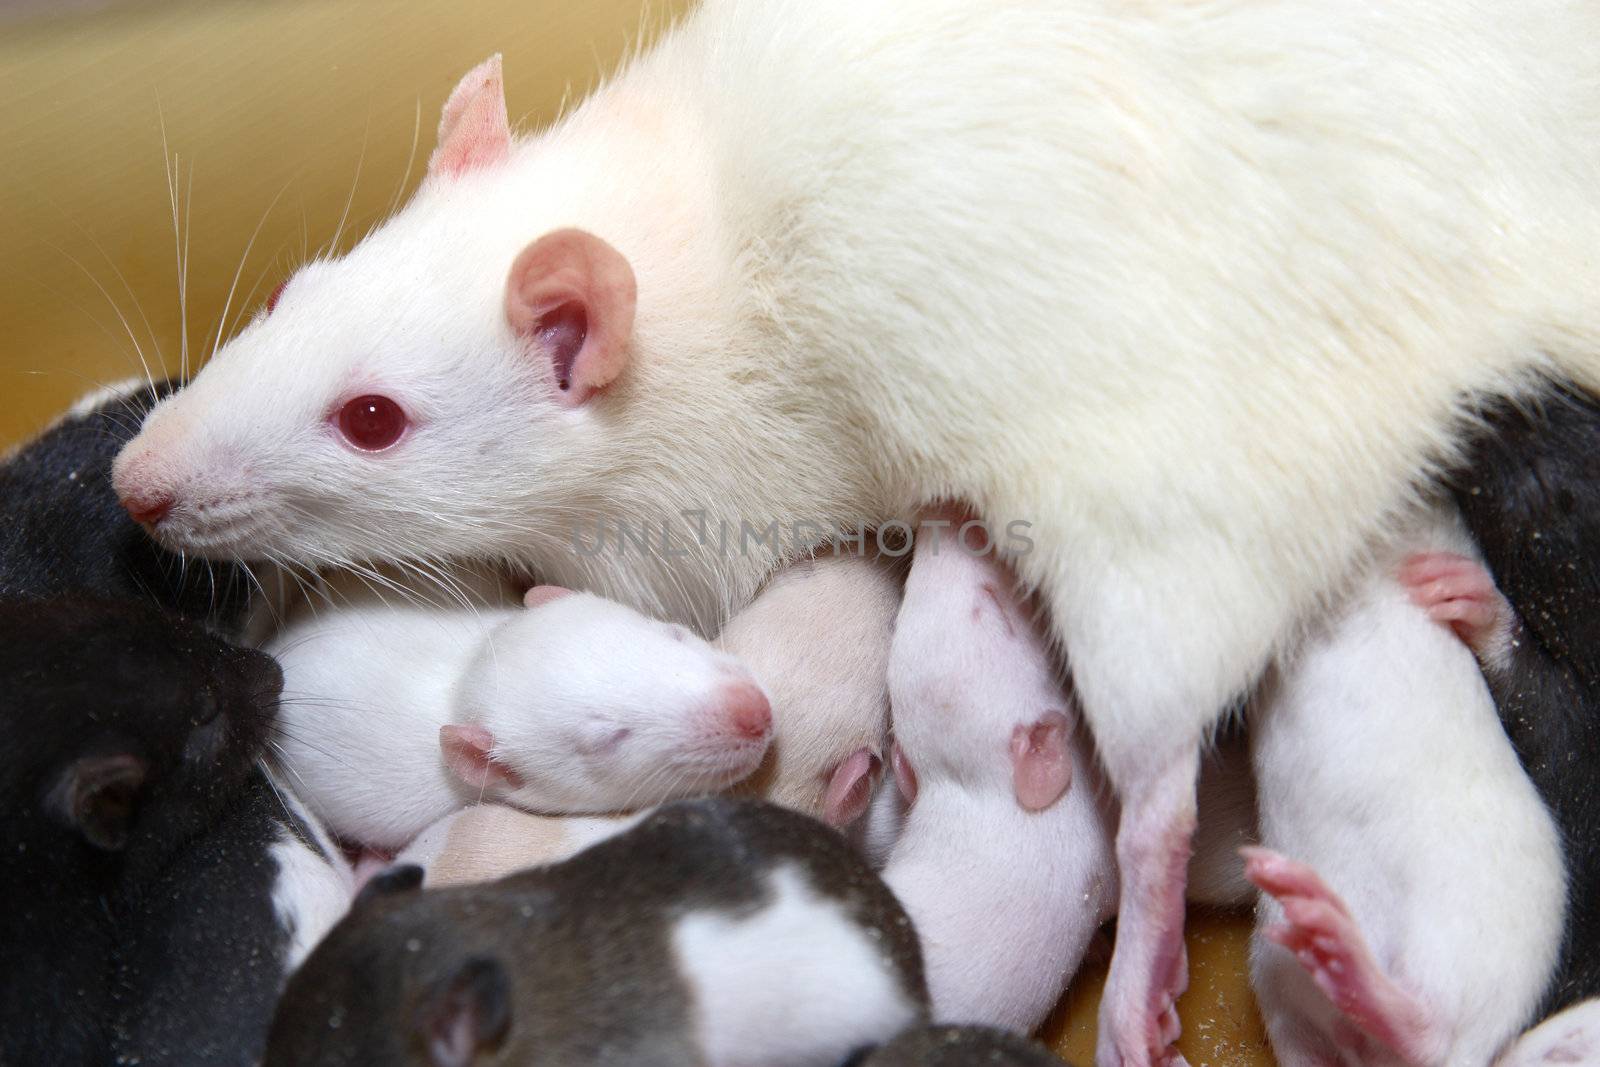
(1415, 882)
(817, 638)
(398, 713)
(1005, 861)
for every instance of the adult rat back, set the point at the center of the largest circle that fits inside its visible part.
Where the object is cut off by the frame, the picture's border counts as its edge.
(1530, 493)
(65, 531)
(1198, 290)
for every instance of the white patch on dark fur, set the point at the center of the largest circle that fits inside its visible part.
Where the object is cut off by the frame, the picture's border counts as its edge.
(747, 974)
(314, 885)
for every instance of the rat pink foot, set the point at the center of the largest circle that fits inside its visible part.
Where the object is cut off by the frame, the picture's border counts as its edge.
(1149, 964)
(1459, 592)
(1325, 938)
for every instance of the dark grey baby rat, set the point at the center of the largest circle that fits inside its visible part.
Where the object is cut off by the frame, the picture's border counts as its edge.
(716, 932)
(134, 733)
(1530, 493)
(959, 1046)
(65, 531)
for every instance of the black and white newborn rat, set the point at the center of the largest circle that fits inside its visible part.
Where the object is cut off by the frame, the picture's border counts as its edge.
(716, 932)
(162, 884)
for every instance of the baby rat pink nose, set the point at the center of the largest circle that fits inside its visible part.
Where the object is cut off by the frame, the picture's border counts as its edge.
(149, 508)
(748, 712)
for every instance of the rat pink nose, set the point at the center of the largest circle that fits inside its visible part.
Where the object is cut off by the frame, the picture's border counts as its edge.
(747, 710)
(149, 509)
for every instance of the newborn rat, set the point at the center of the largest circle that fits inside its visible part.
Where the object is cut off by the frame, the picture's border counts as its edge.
(138, 731)
(716, 932)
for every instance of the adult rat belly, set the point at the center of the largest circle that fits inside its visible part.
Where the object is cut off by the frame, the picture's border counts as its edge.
(1205, 331)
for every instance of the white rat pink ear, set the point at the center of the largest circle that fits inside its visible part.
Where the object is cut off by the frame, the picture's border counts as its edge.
(571, 296)
(850, 788)
(542, 594)
(469, 753)
(474, 130)
(1041, 762)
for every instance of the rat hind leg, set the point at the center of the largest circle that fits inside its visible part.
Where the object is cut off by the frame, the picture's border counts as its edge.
(1149, 967)
(1153, 671)
(1320, 932)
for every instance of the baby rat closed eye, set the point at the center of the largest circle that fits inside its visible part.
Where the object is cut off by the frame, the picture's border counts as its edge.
(399, 713)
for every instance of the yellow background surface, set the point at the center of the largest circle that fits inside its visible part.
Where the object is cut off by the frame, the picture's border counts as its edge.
(244, 132)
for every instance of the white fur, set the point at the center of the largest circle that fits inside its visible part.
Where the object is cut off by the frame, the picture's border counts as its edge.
(1570, 1038)
(1381, 763)
(796, 983)
(369, 683)
(1200, 290)
(489, 841)
(314, 885)
(817, 637)
(1004, 900)
(884, 822)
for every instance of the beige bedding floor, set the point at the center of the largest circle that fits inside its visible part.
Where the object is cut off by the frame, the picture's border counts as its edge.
(283, 117)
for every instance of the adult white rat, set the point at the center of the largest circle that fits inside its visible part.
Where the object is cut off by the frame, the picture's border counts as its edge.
(1415, 879)
(1200, 291)
(400, 712)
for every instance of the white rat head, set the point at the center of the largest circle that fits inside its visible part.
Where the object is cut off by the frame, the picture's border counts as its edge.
(434, 391)
(604, 710)
(973, 685)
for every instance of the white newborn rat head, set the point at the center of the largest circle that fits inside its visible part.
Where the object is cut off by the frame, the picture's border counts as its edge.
(976, 696)
(604, 710)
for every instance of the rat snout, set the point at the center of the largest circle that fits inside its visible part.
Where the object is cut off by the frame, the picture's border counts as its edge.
(143, 492)
(745, 710)
(148, 509)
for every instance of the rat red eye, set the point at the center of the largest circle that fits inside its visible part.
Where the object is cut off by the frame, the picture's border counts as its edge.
(372, 423)
(272, 299)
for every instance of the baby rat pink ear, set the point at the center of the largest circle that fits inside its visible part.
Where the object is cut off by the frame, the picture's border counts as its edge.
(543, 594)
(468, 752)
(572, 297)
(468, 1014)
(850, 788)
(1041, 765)
(474, 130)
